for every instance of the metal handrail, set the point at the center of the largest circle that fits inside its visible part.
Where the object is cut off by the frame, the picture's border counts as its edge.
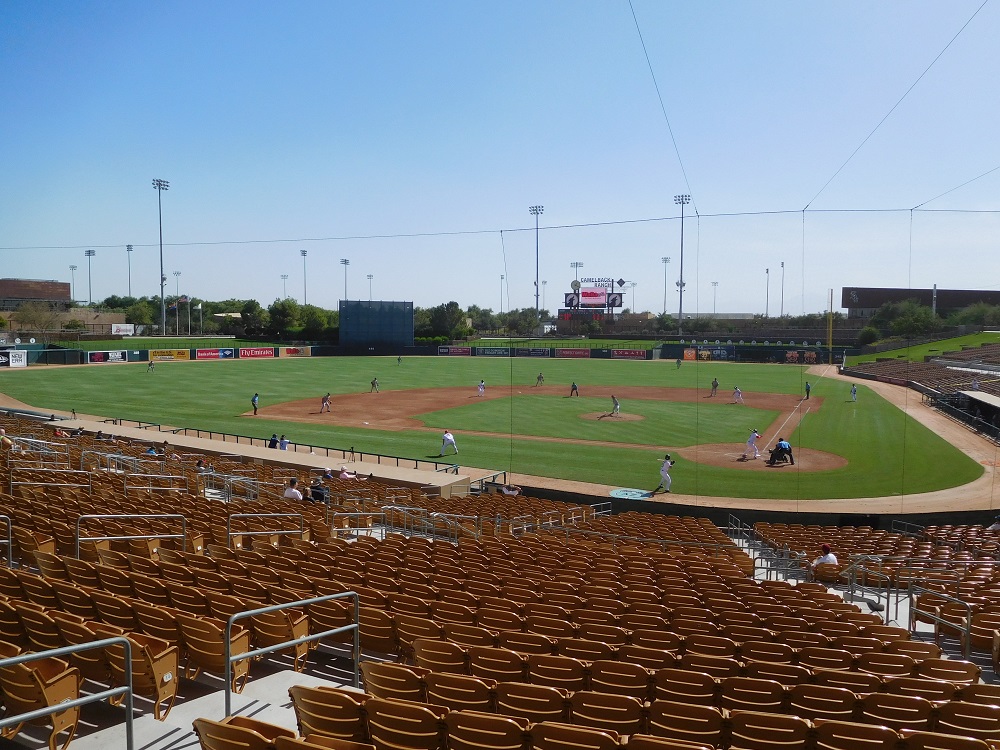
(906, 528)
(118, 517)
(9, 540)
(453, 521)
(89, 484)
(278, 532)
(126, 689)
(852, 571)
(183, 481)
(933, 617)
(230, 659)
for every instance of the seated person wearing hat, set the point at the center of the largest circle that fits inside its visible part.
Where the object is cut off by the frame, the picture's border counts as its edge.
(345, 474)
(827, 558)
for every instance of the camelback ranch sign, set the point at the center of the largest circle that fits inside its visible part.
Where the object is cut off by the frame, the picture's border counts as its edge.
(455, 351)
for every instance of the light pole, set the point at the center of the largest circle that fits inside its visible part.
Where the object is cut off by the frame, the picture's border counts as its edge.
(666, 262)
(284, 286)
(128, 254)
(715, 289)
(72, 283)
(681, 200)
(634, 284)
(304, 253)
(370, 277)
(502, 277)
(345, 263)
(782, 289)
(177, 301)
(544, 282)
(536, 211)
(159, 186)
(576, 266)
(90, 289)
(767, 291)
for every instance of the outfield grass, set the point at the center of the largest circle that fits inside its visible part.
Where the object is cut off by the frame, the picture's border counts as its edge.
(887, 452)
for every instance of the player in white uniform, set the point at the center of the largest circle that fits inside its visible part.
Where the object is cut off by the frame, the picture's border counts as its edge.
(446, 440)
(482, 387)
(615, 406)
(752, 445)
(737, 395)
(665, 480)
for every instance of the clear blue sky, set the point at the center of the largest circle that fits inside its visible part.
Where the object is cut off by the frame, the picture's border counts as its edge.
(346, 121)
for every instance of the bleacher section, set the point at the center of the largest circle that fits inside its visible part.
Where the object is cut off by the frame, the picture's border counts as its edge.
(485, 622)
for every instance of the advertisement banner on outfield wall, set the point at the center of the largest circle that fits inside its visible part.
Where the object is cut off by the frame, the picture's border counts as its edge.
(169, 354)
(492, 351)
(628, 353)
(123, 329)
(5, 357)
(256, 352)
(295, 351)
(455, 351)
(214, 353)
(534, 352)
(574, 353)
(17, 358)
(99, 358)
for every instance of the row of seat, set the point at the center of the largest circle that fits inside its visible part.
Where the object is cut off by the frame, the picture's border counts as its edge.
(625, 704)
(396, 723)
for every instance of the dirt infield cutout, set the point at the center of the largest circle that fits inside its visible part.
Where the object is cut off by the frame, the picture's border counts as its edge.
(395, 411)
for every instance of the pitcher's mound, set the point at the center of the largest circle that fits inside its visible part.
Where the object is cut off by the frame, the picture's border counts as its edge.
(605, 417)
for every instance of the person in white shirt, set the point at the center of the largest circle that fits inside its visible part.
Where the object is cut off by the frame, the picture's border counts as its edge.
(510, 490)
(446, 440)
(827, 558)
(292, 492)
(752, 445)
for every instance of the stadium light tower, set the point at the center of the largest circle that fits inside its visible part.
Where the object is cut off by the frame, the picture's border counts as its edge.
(767, 291)
(90, 289)
(345, 263)
(782, 289)
(370, 277)
(681, 200)
(159, 186)
(128, 255)
(666, 262)
(72, 282)
(502, 277)
(304, 253)
(177, 281)
(634, 284)
(544, 282)
(536, 211)
(715, 289)
(284, 286)
(576, 266)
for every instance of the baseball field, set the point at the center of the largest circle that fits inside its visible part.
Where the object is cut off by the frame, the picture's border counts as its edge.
(843, 449)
